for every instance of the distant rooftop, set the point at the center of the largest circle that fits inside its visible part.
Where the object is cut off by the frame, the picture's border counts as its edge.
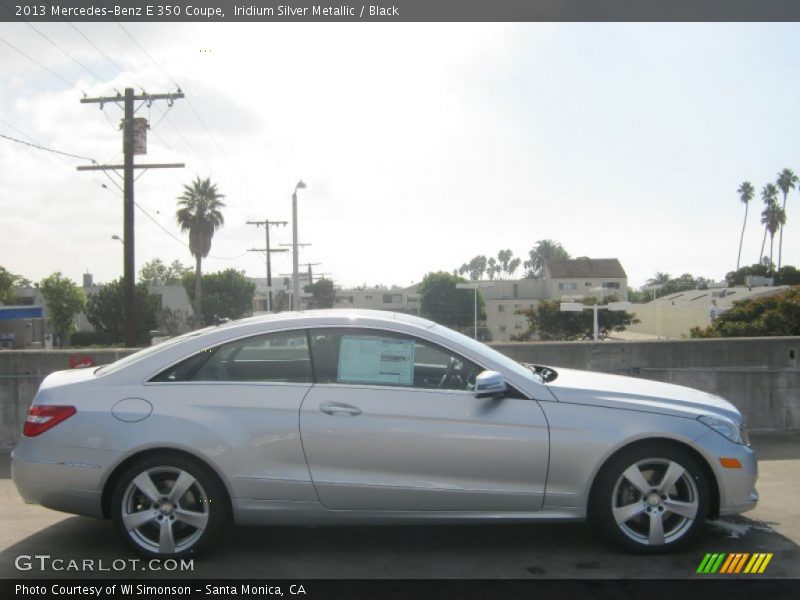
(722, 297)
(584, 267)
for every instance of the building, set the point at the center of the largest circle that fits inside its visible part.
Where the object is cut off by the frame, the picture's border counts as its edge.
(674, 315)
(22, 327)
(406, 300)
(567, 280)
(173, 300)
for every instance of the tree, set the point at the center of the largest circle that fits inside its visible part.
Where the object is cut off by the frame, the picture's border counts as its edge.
(739, 277)
(787, 181)
(281, 301)
(660, 278)
(776, 315)
(772, 217)
(7, 280)
(322, 293)
(769, 195)
(156, 272)
(442, 302)
(227, 294)
(476, 267)
(493, 268)
(106, 313)
(513, 265)
(200, 215)
(746, 193)
(540, 254)
(64, 300)
(503, 259)
(547, 322)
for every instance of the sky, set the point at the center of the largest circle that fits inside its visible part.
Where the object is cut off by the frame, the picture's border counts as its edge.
(422, 145)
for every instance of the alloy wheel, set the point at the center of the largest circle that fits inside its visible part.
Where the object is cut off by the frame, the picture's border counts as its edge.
(165, 510)
(655, 501)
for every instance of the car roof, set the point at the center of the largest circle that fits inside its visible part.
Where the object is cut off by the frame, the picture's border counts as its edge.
(328, 315)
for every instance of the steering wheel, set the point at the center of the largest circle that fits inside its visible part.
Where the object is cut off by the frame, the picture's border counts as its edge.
(451, 379)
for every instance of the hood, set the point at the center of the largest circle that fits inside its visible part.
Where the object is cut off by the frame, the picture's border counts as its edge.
(632, 393)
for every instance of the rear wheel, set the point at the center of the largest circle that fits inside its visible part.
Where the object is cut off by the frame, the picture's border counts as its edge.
(168, 506)
(651, 498)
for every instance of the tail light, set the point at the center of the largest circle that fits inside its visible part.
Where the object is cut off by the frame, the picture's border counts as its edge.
(41, 418)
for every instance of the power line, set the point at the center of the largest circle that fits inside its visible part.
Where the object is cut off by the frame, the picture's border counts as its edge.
(147, 54)
(49, 70)
(193, 109)
(75, 60)
(38, 147)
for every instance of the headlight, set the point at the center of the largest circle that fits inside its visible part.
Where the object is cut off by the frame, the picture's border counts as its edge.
(728, 428)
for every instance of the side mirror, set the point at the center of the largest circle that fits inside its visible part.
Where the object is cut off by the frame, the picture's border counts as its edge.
(490, 384)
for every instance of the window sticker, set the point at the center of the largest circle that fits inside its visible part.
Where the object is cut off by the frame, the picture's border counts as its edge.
(376, 360)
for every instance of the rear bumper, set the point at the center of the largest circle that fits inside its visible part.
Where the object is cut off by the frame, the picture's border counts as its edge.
(66, 484)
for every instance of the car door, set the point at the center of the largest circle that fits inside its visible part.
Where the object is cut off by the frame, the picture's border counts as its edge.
(238, 402)
(393, 424)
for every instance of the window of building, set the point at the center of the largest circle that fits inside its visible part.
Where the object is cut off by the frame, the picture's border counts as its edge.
(501, 308)
(516, 291)
(274, 357)
(611, 285)
(569, 285)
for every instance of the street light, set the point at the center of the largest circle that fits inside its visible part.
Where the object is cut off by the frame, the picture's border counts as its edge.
(655, 287)
(295, 260)
(474, 286)
(595, 308)
(119, 239)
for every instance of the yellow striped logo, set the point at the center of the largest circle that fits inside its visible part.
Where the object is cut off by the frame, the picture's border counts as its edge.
(735, 563)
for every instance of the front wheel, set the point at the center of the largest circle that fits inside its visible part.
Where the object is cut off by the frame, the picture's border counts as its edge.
(168, 506)
(651, 498)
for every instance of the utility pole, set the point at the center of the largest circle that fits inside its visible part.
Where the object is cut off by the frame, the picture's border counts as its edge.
(310, 272)
(267, 224)
(295, 274)
(129, 149)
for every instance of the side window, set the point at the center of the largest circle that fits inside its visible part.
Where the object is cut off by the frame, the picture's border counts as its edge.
(363, 356)
(277, 357)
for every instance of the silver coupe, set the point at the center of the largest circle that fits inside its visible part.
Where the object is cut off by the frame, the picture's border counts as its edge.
(340, 416)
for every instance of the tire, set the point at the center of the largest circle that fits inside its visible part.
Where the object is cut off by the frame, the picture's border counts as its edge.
(158, 523)
(651, 498)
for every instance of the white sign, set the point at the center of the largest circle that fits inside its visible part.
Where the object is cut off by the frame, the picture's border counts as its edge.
(376, 360)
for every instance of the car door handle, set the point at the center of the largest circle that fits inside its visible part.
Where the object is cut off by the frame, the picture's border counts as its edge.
(339, 409)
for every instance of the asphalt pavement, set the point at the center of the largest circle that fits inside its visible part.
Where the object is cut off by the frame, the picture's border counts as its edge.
(570, 550)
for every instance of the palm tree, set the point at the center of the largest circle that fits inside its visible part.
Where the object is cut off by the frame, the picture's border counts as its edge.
(769, 194)
(746, 192)
(200, 215)
(503, 258)
(543, 251)
(660, 278)
(772, 217)
(786, 182)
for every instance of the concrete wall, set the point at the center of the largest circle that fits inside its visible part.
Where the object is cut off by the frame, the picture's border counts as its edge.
(21, 372)
(761, 376)
(758, 375)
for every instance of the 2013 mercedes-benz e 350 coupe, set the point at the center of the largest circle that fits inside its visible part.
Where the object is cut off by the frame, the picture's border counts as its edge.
(338, 416)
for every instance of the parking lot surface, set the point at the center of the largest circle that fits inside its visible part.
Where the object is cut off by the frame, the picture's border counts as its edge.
(466, 551)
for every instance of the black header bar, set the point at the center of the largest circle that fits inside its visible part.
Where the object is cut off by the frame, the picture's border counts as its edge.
(399, 10)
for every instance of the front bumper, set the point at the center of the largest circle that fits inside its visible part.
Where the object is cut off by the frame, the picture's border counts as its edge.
(737, 487)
